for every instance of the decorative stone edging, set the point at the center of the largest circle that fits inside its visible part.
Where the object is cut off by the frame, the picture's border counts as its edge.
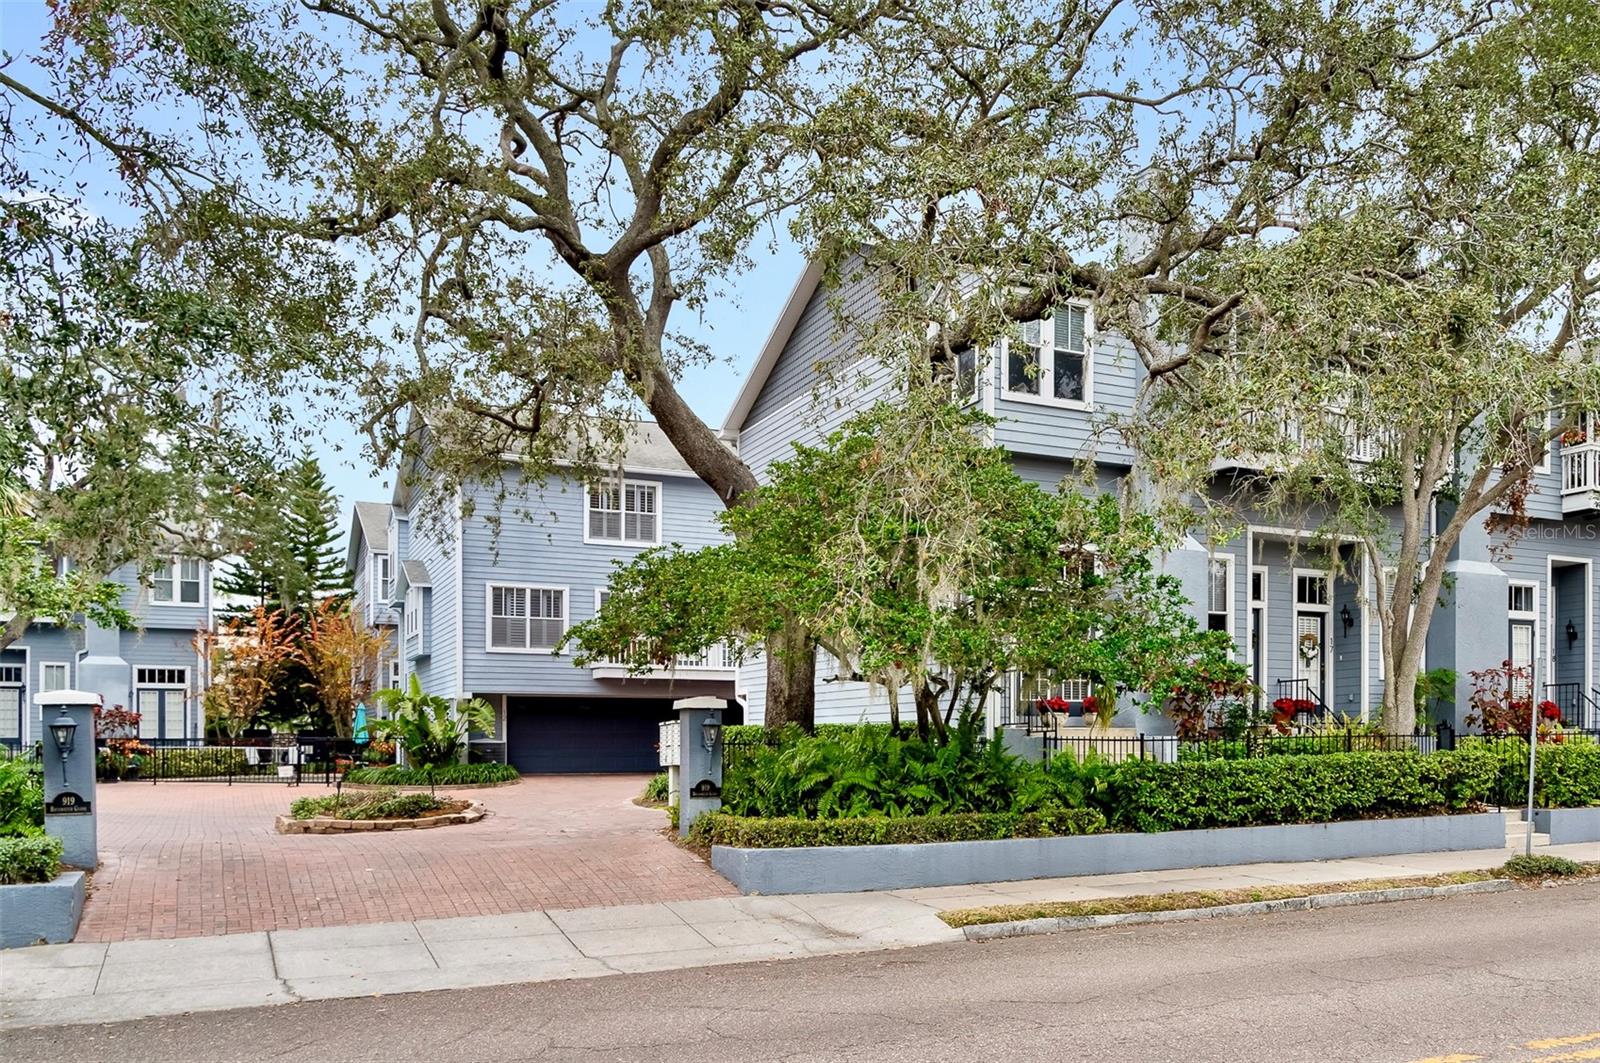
(1026, 927)
(328, 825)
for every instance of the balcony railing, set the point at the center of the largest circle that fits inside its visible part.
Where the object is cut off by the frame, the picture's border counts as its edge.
(1580, 476)
(715, 659)
(1298, 439)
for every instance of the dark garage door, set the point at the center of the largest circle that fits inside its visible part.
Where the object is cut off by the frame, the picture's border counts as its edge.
(585, 735)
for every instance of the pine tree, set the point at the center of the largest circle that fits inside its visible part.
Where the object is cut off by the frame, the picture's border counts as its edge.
(312, 526)
(292, 558)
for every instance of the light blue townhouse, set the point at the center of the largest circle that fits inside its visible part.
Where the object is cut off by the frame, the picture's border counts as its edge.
(154, 669)
(1303, 625)
(377, 537)
(482, 586)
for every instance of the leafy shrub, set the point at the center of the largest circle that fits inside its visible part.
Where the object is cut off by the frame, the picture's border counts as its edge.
(21, 798)
(1541, 866)
(377, 804)
(178, 763)
(757, 833)
(432, 730)
(870, 772)
(436, 775)
(1568, 774)
(29, 859)
(1150, 796)
(656, 790)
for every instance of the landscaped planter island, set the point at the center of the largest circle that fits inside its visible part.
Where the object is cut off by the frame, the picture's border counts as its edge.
(845, 868)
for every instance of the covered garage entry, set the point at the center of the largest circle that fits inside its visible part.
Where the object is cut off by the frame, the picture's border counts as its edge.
(554, 735)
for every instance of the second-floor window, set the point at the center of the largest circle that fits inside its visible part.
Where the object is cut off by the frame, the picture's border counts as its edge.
(177, 583)
(526, 618)
(626, 512)
(413, 612)
(382, 579)
(1049, 359)
(1219, 595)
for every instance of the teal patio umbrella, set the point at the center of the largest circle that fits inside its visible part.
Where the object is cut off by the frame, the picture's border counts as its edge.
(359, 731)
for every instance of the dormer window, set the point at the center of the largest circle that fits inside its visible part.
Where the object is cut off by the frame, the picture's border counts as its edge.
(382, 579)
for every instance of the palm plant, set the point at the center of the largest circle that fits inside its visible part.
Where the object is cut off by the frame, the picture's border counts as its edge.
(432, 729)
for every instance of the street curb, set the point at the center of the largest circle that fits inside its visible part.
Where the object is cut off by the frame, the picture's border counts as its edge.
(1027, 927)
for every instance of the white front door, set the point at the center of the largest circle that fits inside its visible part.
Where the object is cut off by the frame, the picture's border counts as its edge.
(1311, 651)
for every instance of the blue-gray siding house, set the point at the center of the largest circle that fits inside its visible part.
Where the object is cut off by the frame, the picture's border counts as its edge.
(1301, 623)
(154, 669)
(485, 586)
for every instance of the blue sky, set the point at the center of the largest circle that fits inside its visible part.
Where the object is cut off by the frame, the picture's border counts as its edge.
(733, 327)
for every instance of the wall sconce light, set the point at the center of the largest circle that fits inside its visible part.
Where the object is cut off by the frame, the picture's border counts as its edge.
(64, 730)
(1346, 619)
(710, 732)
(1572, 634)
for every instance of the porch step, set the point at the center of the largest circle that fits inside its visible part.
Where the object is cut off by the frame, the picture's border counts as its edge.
(1517, 832)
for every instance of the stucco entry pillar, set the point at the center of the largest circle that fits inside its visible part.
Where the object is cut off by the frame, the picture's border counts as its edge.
(699, 759)
(69, 797)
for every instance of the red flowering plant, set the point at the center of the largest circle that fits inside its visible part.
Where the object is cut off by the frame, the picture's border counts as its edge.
(1549, 710)
(1501, 702)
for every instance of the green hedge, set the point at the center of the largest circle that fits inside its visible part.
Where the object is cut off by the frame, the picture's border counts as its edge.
(21, 798)
(376, 804)
(439, 775)
(1149, 796)
(752, 833)
(31, 859)
(1568, 775)
(179, 763)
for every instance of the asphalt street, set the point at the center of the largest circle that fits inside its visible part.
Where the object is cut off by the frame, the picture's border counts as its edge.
(1511, 977)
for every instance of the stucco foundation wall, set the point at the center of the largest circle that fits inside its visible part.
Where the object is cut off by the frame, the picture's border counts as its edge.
(41, 912)
(1567, 826)
(843, 869)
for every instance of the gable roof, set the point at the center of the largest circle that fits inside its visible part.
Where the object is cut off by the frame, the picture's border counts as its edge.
(804, 288)
(369, 523)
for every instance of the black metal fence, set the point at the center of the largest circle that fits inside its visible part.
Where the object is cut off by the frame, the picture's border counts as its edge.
(303, 760)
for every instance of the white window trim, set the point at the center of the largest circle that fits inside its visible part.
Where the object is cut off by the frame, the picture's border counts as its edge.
(1294, 591)
(1228, 560)
(661, 511)
(1513, 614)
(1546, 465)
(65, 666)
(1266, 624)
(376, 595)
(1046, 373)
(174, 568)
(413, 614)
(488, 613)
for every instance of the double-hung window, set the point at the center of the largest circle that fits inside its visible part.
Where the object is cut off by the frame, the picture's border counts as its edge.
(177, 583)
(625, 512)
(1219, 595)
(523, 618)
(413, 612)
(382, 579)
(1049, 359)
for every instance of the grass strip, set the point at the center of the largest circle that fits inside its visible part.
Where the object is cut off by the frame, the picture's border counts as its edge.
(1541, 870)
(1174, 902)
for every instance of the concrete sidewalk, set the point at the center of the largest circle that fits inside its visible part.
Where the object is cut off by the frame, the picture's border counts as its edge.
(90, 983)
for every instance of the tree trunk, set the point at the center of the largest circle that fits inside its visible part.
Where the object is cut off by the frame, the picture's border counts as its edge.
(791, 678)
(14, 629)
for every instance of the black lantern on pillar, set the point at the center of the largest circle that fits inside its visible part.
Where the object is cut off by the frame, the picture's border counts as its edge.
(1346, 619)
(710, 732)
(64, 730)
(1572, 634)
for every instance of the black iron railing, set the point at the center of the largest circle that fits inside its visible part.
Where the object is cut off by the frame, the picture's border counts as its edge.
(1577, 708)
(301, 760)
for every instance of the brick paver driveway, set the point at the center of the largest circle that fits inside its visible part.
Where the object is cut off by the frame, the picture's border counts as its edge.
(187, 859)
